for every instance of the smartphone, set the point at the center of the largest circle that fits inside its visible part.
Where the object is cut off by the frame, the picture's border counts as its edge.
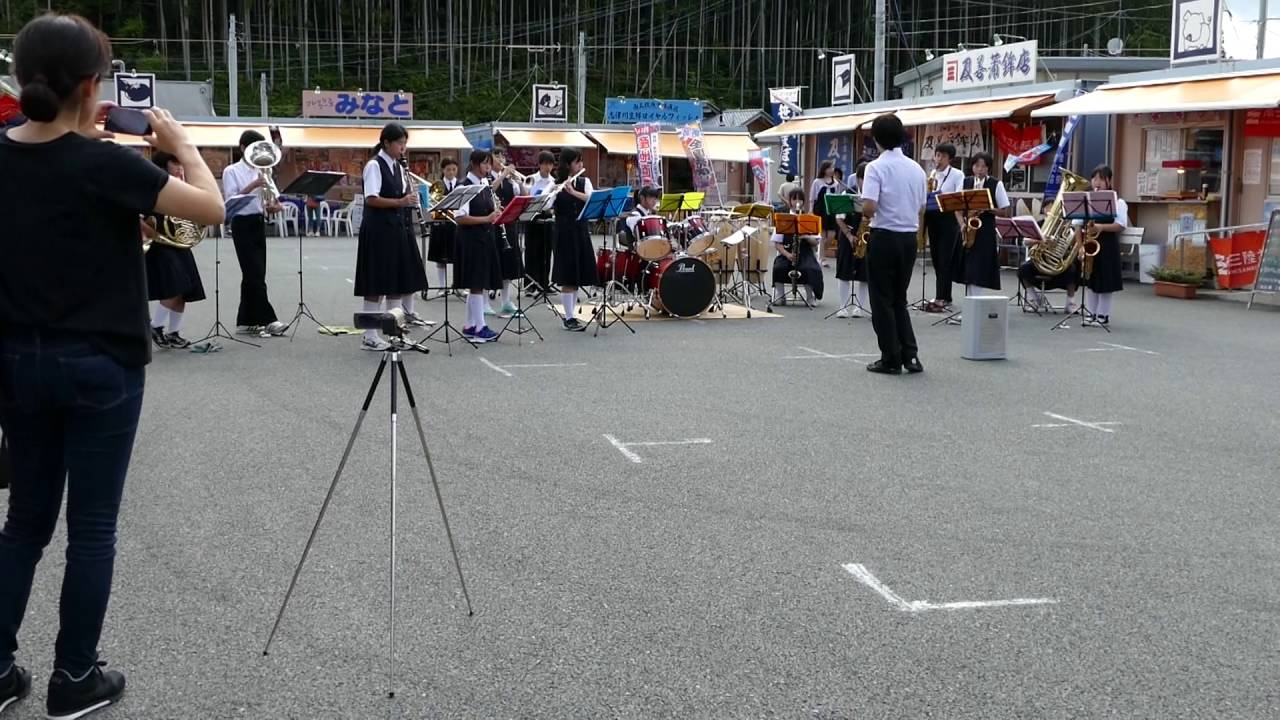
(274, 131)
(127, 122)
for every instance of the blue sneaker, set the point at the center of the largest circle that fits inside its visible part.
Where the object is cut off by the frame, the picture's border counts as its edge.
(484, 334)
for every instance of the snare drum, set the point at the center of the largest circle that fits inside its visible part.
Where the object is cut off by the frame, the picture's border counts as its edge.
(682, 286)
(654, 244)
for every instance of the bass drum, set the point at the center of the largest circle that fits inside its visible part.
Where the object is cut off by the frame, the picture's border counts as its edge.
(682, 286)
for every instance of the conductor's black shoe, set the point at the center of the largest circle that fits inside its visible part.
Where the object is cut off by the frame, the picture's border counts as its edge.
(913, 366)
(14, 686)
(73, 698)
(883, 368)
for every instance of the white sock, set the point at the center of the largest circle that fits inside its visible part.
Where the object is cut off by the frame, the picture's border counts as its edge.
(968, 290)
(506, 293)
(442, 272)
(371, 307)
(864, 294)
(175, 321)
(808, 294)
(473, 307)
(846, 292)
(160, 317)
(568, 299)
(408, 301)
(1104, 304)
(778, 292)
(482, 302)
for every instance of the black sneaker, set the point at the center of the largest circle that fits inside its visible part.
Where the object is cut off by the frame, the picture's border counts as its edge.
(157, 337)
(70, 699)
(14, 686)
(574, 325)
(174, 340)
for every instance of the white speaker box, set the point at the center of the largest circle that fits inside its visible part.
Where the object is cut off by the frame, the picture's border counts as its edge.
(985, 327)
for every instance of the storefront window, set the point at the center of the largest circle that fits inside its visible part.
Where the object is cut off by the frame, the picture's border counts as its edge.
(1274, 185)
(1181, 161)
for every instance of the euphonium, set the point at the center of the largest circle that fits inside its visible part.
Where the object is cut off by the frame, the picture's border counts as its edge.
(1054, 255)
(176, 232)
(265, 155)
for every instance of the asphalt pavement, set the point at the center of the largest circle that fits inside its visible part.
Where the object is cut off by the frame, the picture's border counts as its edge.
(660, 524)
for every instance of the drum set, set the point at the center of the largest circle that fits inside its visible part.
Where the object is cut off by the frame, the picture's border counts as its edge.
(683, 268)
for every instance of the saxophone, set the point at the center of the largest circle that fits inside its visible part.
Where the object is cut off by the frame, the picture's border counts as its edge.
(931, 187)
(1054, 254)
(1089, 249)
(862, 237)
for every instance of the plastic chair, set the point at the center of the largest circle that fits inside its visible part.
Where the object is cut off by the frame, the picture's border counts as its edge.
(288, 217)
(326, 219)
(341, 218)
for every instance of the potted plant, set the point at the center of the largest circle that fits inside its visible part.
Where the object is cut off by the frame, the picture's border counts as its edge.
(1176, 282)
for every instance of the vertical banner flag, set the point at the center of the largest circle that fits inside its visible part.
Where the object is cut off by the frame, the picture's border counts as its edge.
(783, 103)
(759, 161)
(649, 154)
(1055, 175)
(704, 172)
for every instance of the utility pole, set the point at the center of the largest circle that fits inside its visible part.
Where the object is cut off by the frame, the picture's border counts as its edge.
(262, 94)
(879, 59)
(582, 78)
(1262, 29)
(233, 92)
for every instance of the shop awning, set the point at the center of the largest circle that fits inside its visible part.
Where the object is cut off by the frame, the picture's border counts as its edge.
(996, 109)
(332, 136)
(545, 138)
(1221, 93)
(730, 147)
(207, 135)
(812, 126)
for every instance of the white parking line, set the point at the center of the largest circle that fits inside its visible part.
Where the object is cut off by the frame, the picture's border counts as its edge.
(1112, 347)
(820, 355)
(1099, 426)
(546, 365)
(864, 576)
(625, 448)
(495, 367)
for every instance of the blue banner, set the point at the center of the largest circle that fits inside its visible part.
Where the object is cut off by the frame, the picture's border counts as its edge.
(630, 111)
(838, 148)
(1064, 145)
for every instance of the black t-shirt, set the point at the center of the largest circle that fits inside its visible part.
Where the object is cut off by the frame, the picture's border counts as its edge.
(70, 245)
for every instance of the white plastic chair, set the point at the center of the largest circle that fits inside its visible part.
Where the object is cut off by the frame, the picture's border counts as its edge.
(340, 219)
(287, 217)
(326, 219)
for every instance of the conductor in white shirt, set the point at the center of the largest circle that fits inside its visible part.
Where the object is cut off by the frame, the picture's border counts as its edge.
(893, 193)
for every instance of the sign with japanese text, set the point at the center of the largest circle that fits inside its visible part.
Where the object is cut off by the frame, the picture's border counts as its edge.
(1262, 123)
(783, 103)
(135, 90)
(966, 135)
(1196, 34)
(704, 172)
(759, 162)
(550, 103)
(674, 112)
(842, 77)
(1237, 257)
(376, 105)
(838, 148)
(649, 154)
(984, 67)
(1014, 139)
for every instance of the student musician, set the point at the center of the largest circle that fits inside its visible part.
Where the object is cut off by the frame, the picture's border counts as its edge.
(822, 185)
(943, 227)
(1029, 278)
(476, 265)
(575, 262)
(172, 276)
(440, 248)
(980, 267)
(506, 188)
(538, 236)
(388, 265)
(249, 232)
(1105, 279)
(851, 271)
(796, 252)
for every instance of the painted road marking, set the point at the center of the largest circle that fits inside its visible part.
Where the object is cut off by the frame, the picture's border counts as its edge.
(628, 453)
(820, 355)
(505, 369)
(1068, 422)
(1112, 347)
(495, 367)
(864, 576)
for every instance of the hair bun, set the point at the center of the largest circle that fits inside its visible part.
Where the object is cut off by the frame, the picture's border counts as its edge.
(39, 102)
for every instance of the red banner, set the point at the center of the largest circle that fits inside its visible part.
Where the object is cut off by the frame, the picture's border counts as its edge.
(9, 107)
(1262, 123)
(649, 154)
(1012, 139)
(1237, 257)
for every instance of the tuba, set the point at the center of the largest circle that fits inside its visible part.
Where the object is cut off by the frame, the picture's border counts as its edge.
(176, 233)
(265, 155)
(1055, 254)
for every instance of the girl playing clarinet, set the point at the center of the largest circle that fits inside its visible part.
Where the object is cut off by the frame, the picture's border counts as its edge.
(575, 262)
(506, 188)
(796, 252)
(387, 261)
(476, 266)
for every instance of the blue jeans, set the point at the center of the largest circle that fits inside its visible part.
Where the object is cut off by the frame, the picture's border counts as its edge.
(313, 219)
(70, 413)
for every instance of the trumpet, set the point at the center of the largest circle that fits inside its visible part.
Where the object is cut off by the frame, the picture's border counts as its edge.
(510, 171)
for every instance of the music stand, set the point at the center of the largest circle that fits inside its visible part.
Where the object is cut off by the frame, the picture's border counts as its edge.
(461, 195)
(797, 226)
(604, 205)
(1095, 207)
(538, 205)
(969, 203)
(311, 183)
(1019, 229)
(758, 212)
(219, 330)
(837, 204)
(515, 211)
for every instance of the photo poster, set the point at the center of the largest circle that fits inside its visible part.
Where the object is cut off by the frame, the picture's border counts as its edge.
(838, 148)
(966, 135)
(550, 103)
(843, 71)
(649, 153)
(1197, 31)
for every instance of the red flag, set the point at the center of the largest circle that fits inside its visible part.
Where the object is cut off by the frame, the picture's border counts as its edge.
(9, 107)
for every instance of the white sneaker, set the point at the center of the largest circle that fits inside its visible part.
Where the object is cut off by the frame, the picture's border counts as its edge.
(843, 314)
(275, 329)
(855, 313)
(374, 344)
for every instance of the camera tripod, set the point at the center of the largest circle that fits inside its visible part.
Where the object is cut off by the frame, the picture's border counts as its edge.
(392, 355)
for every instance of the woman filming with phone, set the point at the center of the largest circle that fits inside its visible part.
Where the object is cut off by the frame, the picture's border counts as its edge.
(74, 337)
